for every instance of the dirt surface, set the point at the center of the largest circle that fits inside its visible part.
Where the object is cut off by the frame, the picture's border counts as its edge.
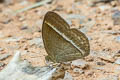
(22, 31)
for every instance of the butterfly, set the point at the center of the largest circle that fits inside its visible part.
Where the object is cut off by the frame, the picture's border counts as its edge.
(61, 42)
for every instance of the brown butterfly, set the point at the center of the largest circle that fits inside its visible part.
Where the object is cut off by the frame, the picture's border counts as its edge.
(62, 43)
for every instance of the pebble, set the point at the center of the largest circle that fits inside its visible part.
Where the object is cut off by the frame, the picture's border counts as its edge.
(89, 73)
(13, 39)
(117, 69)
(116, 17)
(59, 8)
(88, 25)
(93, 3)
(78, 70)
(2, 64)
(105, 56)
(8, 2)
(6, 21)
(117, 61)
(13, 47)
(8, 12)
(36, 41)
(24, 27)
(21, 18)
(118, 38)
(1, 49)
(79, 63)
(99, 68)
(100, 63)
(110, 77)
(104, 1)
(32, 29)
(118, 51)
(1, 35)
(104, 7)
(4, 56)
(79, 17)
(24, 2)
(68, 76)
(76, 16)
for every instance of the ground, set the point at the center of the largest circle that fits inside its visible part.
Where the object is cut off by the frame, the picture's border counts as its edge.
(22, 31)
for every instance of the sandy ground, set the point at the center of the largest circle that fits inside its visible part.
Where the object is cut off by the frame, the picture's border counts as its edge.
(23, 32)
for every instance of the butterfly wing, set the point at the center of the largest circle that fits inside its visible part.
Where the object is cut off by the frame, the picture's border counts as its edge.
(60, 41)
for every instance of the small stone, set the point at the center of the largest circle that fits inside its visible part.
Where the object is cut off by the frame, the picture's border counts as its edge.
(2, 64)
(1, 35)
(114, 3)
(110, 77)
(4, 56)
(1, 49)
(118, 38)
(99, 68)
(6, 21)
(13, 39)
(100, 63)
(90, 59)
(117, 69)
(36, 41)
(60, 73)
(78, 70)
(58, 8)
(106, 56)
(8, 2)
(25, 2)
(36, 34)
(13, 47)
(102, 1)
(24, 52)
(118, 51)
(76, 16)
(116, 17)
(89, 73)
(68, 76)
(24, 27)
(117, 61)
(104, 7)
(88, 25)
(79, 63)
(21, 18)
(8, 12)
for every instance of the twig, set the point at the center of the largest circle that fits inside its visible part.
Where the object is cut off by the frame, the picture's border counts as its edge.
(33, 6)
